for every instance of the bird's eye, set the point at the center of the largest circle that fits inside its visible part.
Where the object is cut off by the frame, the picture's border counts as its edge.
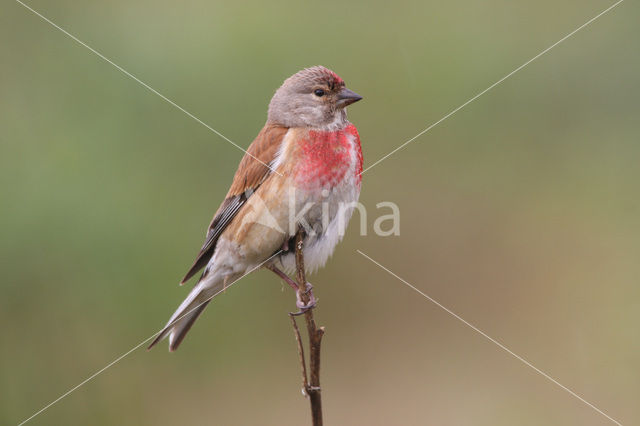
(318, 92)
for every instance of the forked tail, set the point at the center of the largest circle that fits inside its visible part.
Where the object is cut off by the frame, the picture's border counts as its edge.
(188, 312)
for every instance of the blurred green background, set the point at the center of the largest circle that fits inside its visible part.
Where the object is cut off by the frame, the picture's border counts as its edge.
(520, 212)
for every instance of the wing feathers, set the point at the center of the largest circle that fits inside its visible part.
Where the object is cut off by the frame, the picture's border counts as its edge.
(249, 176)
(251, 173)
(227, 211)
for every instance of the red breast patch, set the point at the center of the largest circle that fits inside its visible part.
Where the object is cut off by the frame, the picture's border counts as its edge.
(326, 157)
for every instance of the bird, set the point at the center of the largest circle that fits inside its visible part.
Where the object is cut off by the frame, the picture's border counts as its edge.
(302, 172)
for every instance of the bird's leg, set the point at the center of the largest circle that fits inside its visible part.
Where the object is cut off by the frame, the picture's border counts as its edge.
(304, 307)
(299, 292)
(285, 277)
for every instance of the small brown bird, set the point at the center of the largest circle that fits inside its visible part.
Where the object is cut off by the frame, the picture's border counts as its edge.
(302, 170)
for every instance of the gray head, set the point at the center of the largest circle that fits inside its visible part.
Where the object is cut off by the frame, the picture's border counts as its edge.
(314, 97)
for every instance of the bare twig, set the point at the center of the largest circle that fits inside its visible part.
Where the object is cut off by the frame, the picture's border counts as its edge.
(311, 381)
(303, 363)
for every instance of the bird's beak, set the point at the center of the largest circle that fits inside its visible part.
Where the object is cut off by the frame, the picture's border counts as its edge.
(347, 97)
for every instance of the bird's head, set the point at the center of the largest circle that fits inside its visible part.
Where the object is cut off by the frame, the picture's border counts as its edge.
(314, 97)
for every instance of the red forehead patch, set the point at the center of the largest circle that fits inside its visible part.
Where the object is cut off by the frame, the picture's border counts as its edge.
(336, 78)
(319, 75)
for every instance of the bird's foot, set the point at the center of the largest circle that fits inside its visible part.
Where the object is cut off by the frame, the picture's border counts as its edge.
(302, 306)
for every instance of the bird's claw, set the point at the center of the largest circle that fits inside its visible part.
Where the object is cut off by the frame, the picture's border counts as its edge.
(304, 307)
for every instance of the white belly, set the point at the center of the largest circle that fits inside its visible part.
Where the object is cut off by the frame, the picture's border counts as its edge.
(331, 208)
(328, 232)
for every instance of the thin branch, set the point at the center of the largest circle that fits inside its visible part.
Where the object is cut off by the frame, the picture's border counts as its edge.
(303, 363)
(311, 381)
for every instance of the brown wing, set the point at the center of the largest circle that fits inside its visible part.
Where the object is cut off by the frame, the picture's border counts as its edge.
(251, 173)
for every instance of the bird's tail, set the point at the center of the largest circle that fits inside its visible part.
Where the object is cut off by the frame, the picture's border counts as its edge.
(188, 312)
